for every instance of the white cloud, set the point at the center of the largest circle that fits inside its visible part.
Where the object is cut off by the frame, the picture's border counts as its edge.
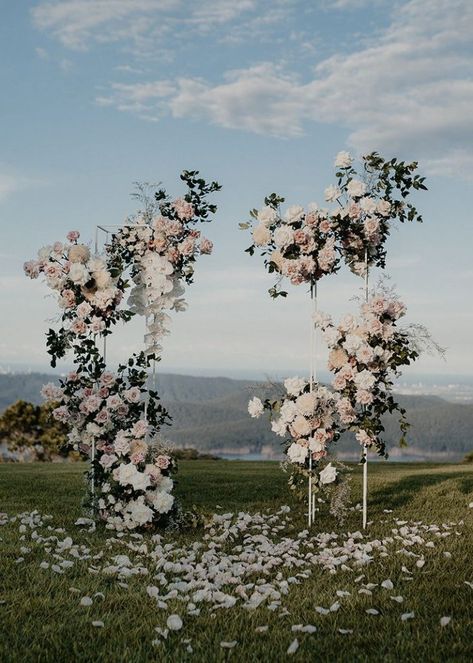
(408, 90)
(10, 184)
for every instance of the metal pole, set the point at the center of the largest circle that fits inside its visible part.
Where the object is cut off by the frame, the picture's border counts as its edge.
(312, 381)
(365, 446)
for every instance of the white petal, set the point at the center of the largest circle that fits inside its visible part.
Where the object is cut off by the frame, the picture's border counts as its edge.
(293, 647)
(406, 616)
(98, 624)
(174, 623)
(372, 611)
(228, 645)
(387, 584)
(444, 621)
(86, 600)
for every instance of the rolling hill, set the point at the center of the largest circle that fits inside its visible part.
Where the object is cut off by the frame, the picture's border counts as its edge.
(211, 414)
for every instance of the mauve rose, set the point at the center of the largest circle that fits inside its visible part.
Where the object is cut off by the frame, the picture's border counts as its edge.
(107, 378)
(162, 462)
(78, 327)
(339, 383)
(311, 219)
(122, 411)
(137, 458)
(73, 235)
(364, 397)
(103, 392)
(102, 417)
(72, 376)
(325, 225)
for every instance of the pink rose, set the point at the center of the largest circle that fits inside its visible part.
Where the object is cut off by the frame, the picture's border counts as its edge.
(72, 376)
(107, 460)
(162, 462)
(206, 246)
(107, 378)
(187, 247)
(364, 397)
(73, 235)
(103, 392)
(78, 327)
(132, 395)
(184, 210)
(102, 417)
(140, 428)
(137, 457)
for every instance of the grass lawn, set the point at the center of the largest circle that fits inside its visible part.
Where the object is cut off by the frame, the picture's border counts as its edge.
(41, 619)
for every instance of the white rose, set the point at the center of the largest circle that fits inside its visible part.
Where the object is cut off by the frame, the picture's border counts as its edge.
(356, 188)
(162, 502)
(316, 445)
(267, 215)
(261, 235)
(364, 379)
(306, 403)
(283, 236)
(294, 214)
(297, 453)
(79, 274)
(294, 386)
(328, 474)
(301, 426)
(279, 427)
(138, 512)
(127, 474)
(384, 207)
(78, 253)
(368, 205)
(255, 408)
(288, 411)
(102, 279)
(331, 193)
(343, 160)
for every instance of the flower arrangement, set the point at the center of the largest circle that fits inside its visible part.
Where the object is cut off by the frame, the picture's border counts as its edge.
(114, 418)
(307, 416)
(366, 353)
(369, 200)
(299, 245)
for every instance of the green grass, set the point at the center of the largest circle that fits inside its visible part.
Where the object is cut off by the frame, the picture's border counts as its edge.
(40, 619)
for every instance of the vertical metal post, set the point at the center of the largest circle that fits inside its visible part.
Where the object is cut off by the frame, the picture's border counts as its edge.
(365, 446)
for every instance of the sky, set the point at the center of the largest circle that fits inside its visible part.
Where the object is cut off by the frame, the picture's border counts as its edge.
(260, 95)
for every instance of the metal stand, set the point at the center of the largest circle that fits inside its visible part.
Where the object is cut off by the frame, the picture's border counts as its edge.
(312, 381)
(365, 446)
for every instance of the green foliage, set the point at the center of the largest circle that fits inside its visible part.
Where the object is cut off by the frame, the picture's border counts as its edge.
(25, 426)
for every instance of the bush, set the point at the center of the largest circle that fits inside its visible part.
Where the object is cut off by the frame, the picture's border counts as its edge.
(30, 431)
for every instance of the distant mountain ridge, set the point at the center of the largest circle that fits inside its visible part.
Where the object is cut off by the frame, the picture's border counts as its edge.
(210, 413)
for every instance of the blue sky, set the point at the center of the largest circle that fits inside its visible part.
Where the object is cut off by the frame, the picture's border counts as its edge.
(260, 95)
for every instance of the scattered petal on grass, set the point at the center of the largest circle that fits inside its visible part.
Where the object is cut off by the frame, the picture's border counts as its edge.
(99, 595)
(262, 629)
(228, 645)
(345, 631)
(372, 611)
(470, 584)
(98, 624)
(444, 621)
(74, 590)
(387, 584)
(174, 623)
(293, 647)
(470, 506)
(300, 628)
(321, 611)
(447, 554)
(335, 606)
(398, 599)
(405, 570)
(406, 616)
(420, 563)
(341, 593)
(86, 601)
(44, 565)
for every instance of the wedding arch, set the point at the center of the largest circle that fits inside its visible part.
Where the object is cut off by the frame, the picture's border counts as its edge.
(114, 417)
(366, 351)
